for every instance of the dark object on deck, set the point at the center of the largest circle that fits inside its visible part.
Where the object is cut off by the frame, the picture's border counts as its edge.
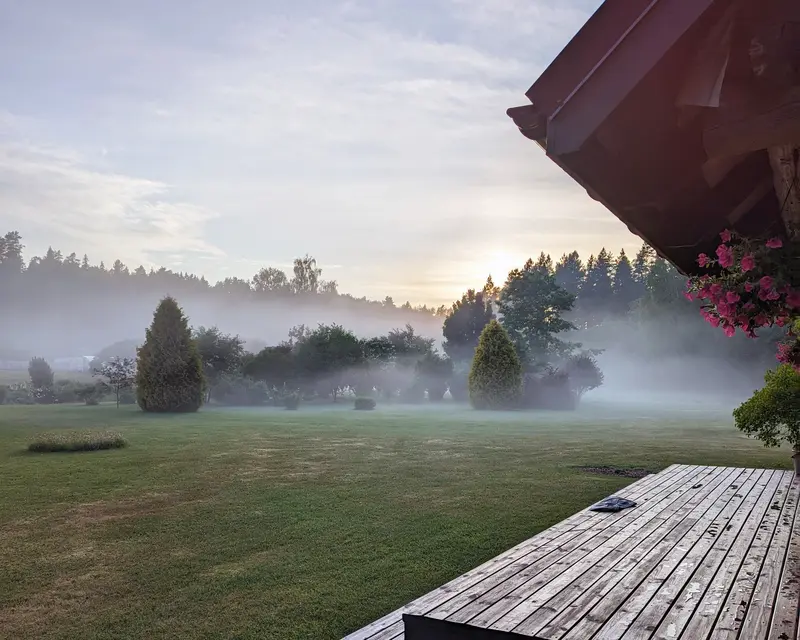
(422, 628)
(613, 504)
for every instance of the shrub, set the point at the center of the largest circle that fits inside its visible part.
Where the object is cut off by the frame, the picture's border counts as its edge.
(91, 394)
(436, 390)
(40, 373)
(495, 380)
(236, 390)
(292, 401)
(365, 404)
(3, 393)
(92, 401)
(584, 373)
(169, 373)
(20, 394)
(77, 441)
(773, 413)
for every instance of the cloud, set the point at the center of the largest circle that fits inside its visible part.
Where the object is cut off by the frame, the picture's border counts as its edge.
(371, 134)
(53, 193)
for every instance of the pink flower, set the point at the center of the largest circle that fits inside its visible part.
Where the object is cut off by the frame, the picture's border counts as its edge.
(724, 309)
(748, 286)
(703, 293)
(725, 235)
(783, 352)
(749, 306)
(773, 295)
(781, 321)
(793, 299)
(688, 295)
(748, 263)
(732, 297)
(715, 289)
(774, 243)
(763, 294)
(703, 260)
(725, 255)
(760, 320)
(713, 320)
(729, 330)
(765, 282)
(743, 321)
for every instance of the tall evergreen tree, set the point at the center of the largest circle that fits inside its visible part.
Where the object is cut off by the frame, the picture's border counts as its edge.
(641, 269)
(169, 371)
(495, 379)
(569, 273)
(623, 285)
(464, 323)
(597, 293)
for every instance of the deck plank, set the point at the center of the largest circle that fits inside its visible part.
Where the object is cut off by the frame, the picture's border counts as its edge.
(734, 609)
(390, 625)
(697, 608)
(559, 614)
(497, 602)
(655, 595)
(785, 616)
(612, 551)
(708, 553)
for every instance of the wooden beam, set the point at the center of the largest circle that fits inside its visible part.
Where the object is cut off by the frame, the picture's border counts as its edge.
(756, 195)
(785, 161)
(742, 128)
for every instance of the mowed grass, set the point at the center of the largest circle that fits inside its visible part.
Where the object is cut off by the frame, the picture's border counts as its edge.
(308, 524)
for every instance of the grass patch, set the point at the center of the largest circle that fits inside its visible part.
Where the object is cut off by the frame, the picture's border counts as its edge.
(266, 523)
(76, 441)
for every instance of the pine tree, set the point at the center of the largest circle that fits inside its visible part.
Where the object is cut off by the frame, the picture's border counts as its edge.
(169, 372)
(464, 323)
(641, 268)
(623, 286)
(569, 273)
(495, 379)
(596, 295)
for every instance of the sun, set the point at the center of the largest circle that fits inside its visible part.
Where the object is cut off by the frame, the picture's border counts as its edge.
(498, 264)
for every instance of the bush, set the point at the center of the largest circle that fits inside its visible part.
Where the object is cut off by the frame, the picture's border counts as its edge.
(169, 373)
(20, 394)
(584, 373)
(237, 390)
(40, 373)
(365, 404)
(773, 413)
(459, 387)
(92, 401)
(436, 390)
(292, 401)
(495, 380)
(3, 393)
(77, 441)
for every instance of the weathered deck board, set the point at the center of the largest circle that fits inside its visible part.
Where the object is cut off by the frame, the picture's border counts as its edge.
(708, 552)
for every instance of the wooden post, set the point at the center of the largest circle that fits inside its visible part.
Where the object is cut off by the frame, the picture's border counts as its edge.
(786, 174)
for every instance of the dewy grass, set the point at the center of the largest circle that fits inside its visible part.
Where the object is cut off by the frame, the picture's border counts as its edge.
(301, 525)
(77, 441)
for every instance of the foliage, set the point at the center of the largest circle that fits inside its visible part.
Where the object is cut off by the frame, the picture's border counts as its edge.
(459, 386)
(169, 372)
(118, 374)
(569, 273)
(330, 355)
(583, 373)
(549, 390)
(292, 401)
(234, 389)
(433, 372)
(623, 286)
(220, 353)
(40, 373)
(76, 441)
(413, 393)
(773, 413)
(753, 286)
(273, 365)
(464, 323)
(20, 393)
(596, 292)
(495, 380)
(365, 404)
(121, 349)
(532, 307)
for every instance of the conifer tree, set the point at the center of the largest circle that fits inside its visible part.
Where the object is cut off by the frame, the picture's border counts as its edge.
(169, 372)
(495, 380)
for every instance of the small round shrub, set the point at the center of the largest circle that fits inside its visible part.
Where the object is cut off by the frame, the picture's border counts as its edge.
(365, 404)
(77, 441)
(773, 413)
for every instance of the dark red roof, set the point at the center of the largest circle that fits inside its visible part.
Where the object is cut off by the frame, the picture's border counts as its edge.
(605, 111)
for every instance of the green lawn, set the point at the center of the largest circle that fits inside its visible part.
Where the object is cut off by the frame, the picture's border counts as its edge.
(276, 524)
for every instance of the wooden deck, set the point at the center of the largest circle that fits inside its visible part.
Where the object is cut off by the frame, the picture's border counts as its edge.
(709, 552)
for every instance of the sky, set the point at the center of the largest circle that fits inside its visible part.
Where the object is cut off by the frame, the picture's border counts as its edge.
(217, 137)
